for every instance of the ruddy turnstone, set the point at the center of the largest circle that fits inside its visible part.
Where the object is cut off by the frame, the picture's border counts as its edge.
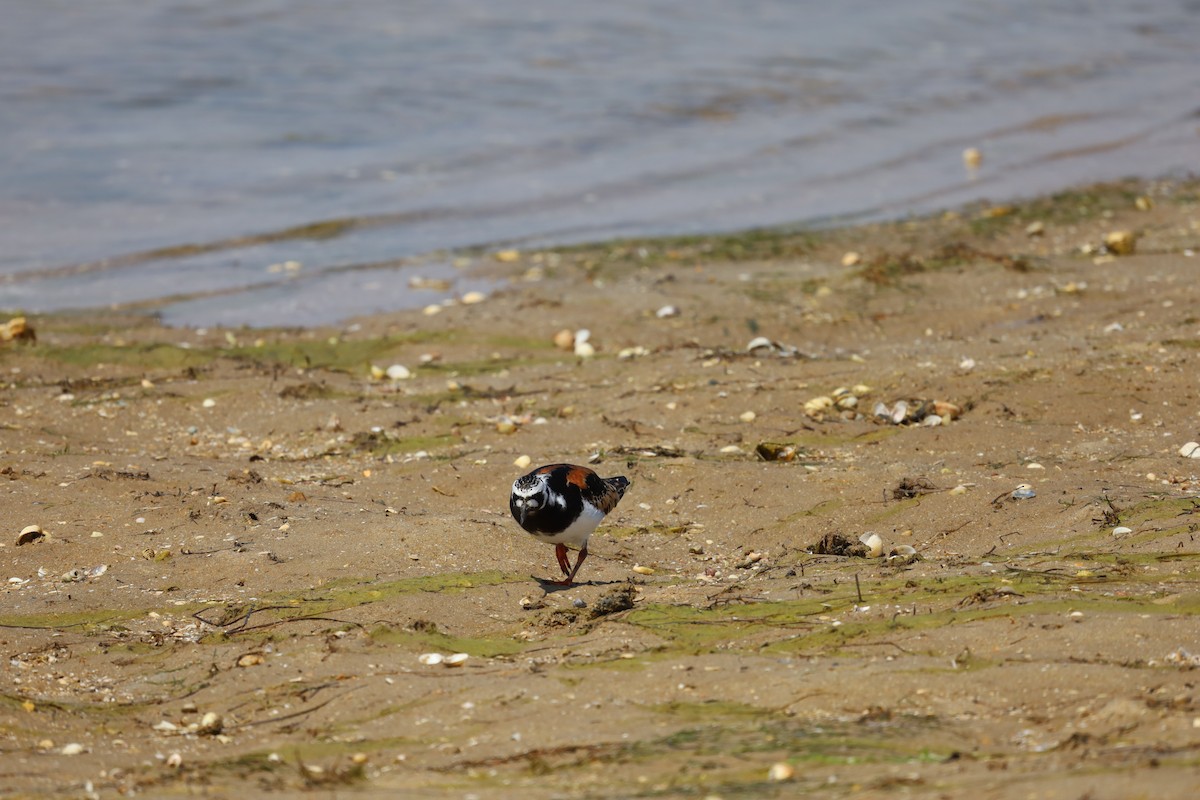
(562, 504)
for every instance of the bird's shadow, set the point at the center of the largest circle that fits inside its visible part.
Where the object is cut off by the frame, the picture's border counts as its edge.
(549, 585)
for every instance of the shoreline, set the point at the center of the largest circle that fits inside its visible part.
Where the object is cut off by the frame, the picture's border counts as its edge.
(476, 268)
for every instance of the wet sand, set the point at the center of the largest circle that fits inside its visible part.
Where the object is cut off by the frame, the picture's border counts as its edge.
(250, 539)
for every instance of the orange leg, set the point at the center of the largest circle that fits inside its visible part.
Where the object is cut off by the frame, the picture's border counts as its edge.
(578, 563)
(564, 563)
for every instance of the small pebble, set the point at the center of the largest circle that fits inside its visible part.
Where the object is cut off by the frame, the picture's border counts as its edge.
(522, 462)
(579, 602)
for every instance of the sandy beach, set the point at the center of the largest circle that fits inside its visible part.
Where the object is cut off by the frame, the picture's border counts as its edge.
(240, 543)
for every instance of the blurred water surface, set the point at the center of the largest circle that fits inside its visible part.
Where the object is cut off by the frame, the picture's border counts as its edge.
(178, 149)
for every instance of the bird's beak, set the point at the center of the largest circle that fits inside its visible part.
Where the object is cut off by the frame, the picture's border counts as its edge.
(521, 510)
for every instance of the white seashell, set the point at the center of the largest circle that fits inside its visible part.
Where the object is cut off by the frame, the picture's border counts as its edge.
(730, 449)
(1121, 530)
(818, 406)
(582, 335)
(848, 402)
(398, 372)
(1023, 492)
(584, 349)
(903, 550)
(471, 298)
(640, 570)
(72, 749)
(932, 421)
(667, 311)
(960, 489)
(967, 364)
(1190, 450)
(781, 772)
(899, 411)
(165, 726)
(97, 571)
(456, 659)
(71, 576)
(874, 544)
(748, 416)
(860, 390)
(760, 343)
(211, 723)
(881, 410)
(431, 659)
(174, 761)
(972, 158)
(522, 462)
(208, 402)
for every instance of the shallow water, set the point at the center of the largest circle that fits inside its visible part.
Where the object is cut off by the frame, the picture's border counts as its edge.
(128, 127)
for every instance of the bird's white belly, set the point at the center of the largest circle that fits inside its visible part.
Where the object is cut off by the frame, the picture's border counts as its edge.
(578, 532)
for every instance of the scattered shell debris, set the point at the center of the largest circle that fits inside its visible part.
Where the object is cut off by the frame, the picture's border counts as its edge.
(583, 346)
(30, 534)
(761, 344)
(452, 660)
(835, 544)
(903, 554)
(842, 402)
(398, 372)
(928, 413)
(874, 543)
(1120, 243)
(777, 451)
(780, 772)
(17, 329)
(565, 339)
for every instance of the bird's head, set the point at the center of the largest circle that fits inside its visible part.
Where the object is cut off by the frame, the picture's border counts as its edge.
(528, 497)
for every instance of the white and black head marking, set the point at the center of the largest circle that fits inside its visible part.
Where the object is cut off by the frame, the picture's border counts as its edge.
(529, 496)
